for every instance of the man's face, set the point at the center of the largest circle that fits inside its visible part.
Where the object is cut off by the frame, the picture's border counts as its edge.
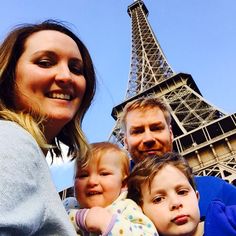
(147, 133)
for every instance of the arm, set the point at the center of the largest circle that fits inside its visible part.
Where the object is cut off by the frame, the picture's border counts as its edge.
(29, 203)
(94, 220)
(124, 218)
(17, 181)
(220, 219)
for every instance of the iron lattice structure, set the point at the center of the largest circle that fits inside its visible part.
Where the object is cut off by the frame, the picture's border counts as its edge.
(204, 135)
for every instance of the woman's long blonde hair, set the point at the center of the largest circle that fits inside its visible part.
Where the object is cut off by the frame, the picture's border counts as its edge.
(10, 51)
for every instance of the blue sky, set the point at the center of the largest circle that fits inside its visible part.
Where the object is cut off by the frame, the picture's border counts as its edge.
(197, 36)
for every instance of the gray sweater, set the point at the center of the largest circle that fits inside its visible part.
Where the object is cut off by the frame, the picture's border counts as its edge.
(29, 202)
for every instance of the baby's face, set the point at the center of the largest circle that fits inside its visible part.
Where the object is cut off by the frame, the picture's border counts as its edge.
(100, 183)
(172, 203)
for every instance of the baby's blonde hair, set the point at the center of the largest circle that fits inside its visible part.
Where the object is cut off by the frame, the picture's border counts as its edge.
(100, 148)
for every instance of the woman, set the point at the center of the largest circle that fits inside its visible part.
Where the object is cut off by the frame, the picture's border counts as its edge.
(47, 83)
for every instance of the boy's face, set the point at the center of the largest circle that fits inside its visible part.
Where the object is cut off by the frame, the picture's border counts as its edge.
(100, 183)
(172, 204)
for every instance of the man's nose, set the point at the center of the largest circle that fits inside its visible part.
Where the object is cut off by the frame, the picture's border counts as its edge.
(148, 138)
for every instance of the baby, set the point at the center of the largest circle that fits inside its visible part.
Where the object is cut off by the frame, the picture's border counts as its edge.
(100, 189)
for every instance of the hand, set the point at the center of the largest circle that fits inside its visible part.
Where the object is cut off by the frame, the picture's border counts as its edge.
(97, 219)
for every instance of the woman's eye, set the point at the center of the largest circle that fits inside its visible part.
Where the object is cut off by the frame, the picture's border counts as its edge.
(76, 67)
(76, 70)
(44, 63)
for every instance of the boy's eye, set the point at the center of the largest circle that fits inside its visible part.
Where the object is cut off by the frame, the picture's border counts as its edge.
(183, 192)
(157, 200)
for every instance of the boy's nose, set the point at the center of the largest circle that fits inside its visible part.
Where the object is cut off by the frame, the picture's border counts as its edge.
(175, 204)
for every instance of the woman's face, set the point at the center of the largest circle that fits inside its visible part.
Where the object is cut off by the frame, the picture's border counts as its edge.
(49, 79)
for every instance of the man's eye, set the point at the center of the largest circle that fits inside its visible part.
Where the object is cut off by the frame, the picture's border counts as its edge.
(136, 131)
(156, 128)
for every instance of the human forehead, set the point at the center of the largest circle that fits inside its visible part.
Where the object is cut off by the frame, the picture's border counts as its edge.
(45, 40)
(142, 116)
(109, 157)
(169, 176)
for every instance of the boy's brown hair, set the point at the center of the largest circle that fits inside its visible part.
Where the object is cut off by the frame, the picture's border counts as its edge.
(145, 171)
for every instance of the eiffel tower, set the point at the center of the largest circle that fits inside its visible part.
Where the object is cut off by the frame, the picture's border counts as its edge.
(203, 134)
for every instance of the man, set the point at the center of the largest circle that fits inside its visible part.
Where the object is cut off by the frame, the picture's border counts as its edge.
(147, 131)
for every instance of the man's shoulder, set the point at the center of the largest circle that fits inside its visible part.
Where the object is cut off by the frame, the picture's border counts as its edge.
(220, 219)
(211, 188)
(213, 184)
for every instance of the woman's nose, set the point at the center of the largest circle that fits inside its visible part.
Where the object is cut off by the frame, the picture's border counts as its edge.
(63, 74)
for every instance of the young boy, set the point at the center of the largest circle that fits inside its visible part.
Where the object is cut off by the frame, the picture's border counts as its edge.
(100, 188)
(164, 188)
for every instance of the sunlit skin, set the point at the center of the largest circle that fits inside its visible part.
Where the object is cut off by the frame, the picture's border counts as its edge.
(101, 182)
(147, 133)
(171, 203)
(49, 78)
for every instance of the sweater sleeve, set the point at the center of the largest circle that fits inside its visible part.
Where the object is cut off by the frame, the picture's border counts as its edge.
(29, 203)
(220, 219)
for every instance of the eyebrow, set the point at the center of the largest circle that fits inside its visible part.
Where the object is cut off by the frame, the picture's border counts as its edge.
(54, 54)
(152, 124)
(44, 52)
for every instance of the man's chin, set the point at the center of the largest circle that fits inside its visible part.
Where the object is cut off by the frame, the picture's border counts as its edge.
(137, 157)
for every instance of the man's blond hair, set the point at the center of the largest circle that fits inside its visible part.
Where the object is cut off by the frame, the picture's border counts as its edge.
(143, 104)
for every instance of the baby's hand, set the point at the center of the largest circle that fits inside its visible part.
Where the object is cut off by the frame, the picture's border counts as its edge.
(97, 219)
